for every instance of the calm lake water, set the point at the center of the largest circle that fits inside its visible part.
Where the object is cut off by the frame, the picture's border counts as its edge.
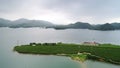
(11, 37)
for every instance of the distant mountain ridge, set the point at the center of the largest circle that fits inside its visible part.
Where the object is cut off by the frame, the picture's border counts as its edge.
(4, 22)
(24, 23)
(82, 25)
(41, 23)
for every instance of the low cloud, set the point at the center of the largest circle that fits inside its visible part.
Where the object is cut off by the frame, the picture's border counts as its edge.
(93, 11)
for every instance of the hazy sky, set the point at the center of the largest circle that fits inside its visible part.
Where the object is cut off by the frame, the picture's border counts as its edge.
(62, 11)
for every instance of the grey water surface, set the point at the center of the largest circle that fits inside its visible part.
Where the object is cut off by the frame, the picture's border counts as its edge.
(10, 37)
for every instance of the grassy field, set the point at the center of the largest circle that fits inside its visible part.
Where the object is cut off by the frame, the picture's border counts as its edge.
(103, 52)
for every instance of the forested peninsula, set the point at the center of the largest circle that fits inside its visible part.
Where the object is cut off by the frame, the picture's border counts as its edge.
(99, 52)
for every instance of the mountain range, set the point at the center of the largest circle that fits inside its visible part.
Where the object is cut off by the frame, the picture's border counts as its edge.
(25, 23)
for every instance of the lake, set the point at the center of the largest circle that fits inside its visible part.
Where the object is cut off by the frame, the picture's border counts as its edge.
(10, 37)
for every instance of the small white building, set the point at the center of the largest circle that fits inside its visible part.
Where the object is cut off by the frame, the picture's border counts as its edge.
(90, 43)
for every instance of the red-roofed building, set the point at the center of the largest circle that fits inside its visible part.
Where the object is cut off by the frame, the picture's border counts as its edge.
(90, 43)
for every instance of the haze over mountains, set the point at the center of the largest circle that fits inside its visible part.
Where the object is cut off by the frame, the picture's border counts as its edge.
(24, 23)
(41, 23)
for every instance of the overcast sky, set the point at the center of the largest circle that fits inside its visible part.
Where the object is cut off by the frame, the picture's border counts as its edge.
(62, 11)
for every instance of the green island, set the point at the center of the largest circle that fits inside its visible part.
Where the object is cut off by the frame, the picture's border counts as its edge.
(101, 52)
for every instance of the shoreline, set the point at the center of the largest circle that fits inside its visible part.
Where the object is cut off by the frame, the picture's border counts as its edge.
(74, 51)
(80, 60)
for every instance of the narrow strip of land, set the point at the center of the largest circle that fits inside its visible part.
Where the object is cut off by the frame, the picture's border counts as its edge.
(102, 52)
